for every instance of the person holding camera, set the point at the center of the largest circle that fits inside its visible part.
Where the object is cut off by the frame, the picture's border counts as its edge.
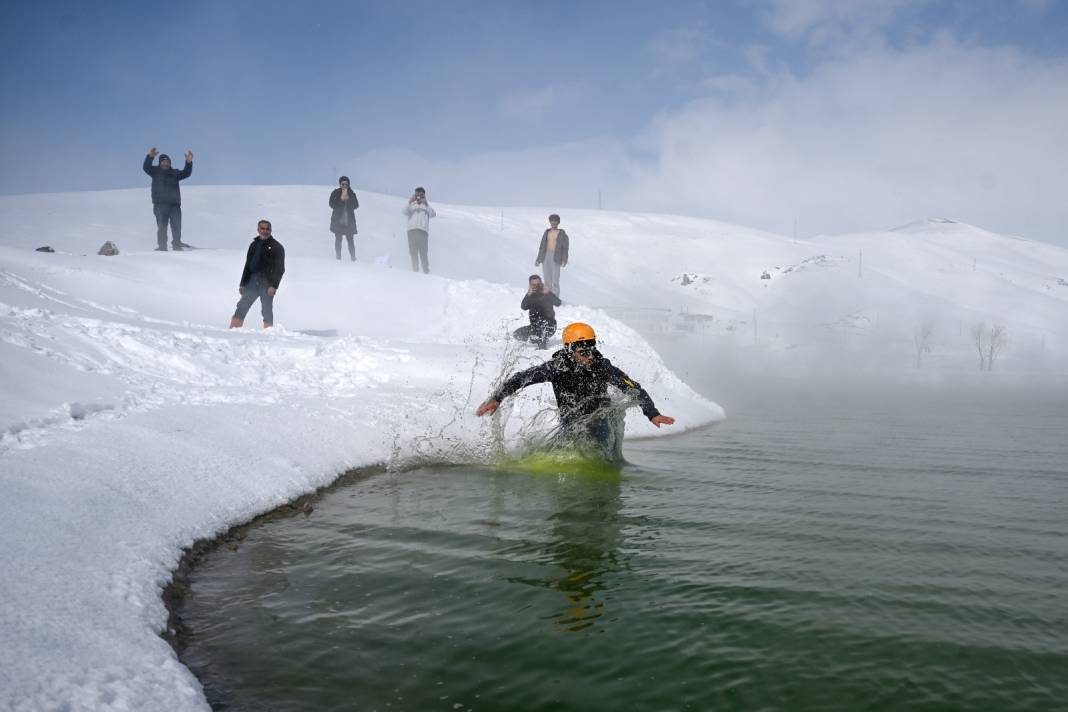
(343, 220)
(167, 197)
(540, 304)
(552, 254)
(419, 212)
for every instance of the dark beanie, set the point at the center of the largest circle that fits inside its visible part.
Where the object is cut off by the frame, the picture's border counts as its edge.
(163, 156)
(345, 179)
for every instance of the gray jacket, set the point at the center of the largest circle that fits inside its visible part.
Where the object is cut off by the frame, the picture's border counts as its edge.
(419, 216)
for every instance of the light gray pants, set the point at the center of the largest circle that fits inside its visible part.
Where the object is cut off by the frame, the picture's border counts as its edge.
(256, 289)
(418, 246)
(550, 274)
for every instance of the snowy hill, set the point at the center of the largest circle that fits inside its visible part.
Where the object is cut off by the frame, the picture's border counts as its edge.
(762, 301)
(132, 422)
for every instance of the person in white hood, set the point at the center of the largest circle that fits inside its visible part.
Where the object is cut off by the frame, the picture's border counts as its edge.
(419, 213)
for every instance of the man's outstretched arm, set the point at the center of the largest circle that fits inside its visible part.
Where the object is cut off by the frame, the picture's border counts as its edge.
(187, 169)
(522, 379)
(624, 383)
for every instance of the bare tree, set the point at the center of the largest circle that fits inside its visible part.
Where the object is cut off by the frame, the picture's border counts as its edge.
(921, 336)
(999, 337)
(980, 341)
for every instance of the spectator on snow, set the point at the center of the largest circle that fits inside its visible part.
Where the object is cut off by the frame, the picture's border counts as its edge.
(265, 264)
(419, 213)
(540, 303)
(343, 220)
(552, 254)
(167, 197)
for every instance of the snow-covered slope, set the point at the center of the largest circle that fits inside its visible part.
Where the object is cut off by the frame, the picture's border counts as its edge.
(850, 301)
(132, 422)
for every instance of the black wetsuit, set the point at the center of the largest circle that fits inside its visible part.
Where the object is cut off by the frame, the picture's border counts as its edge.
(581, 391)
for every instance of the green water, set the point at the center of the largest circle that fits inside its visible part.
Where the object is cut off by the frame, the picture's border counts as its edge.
(847, 554)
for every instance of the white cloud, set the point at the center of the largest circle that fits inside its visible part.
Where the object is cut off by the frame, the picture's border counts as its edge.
(825, 22)
(567, 175)
(672, 48)
(876, 140)
(867, 141)
(532, 105)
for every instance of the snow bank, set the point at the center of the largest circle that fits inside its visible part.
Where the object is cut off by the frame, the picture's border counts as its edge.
(132, 422)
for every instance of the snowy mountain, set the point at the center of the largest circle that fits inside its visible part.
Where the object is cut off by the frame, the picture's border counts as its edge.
(133, 422)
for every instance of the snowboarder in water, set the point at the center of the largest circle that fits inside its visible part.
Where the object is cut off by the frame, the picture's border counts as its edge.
(580, 376)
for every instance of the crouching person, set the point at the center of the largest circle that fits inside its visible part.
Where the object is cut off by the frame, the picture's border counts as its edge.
(540, 304)
(265, 264)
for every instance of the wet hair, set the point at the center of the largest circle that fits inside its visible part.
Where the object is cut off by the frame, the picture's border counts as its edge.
(264, 222)
(532, 277)
(555, 217)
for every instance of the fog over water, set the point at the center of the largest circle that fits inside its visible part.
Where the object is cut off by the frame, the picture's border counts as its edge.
(832, 545)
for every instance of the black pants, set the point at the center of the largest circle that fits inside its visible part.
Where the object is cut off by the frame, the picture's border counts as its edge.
(537, 334)
(337, 245)
(168, 213)
(418, 241)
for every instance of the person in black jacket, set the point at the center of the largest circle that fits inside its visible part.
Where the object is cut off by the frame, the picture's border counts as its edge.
(343, 219)
(265, 263)
(540, 304)
(167, 197)
(552, 254)
(580, 377)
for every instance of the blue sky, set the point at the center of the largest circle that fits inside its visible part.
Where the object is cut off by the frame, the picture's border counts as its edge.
(754, 111)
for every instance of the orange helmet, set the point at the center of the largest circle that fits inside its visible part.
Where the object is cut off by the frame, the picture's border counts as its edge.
(578, 332)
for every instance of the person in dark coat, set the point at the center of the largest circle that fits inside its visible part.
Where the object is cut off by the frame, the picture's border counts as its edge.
(540, 304)
(343, 219)
(265, 263)
(580, 377)
(167, 197)
(552, 254)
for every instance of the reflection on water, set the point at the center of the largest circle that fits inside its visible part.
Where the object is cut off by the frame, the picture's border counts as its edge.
(584, 550)
(873, 554)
